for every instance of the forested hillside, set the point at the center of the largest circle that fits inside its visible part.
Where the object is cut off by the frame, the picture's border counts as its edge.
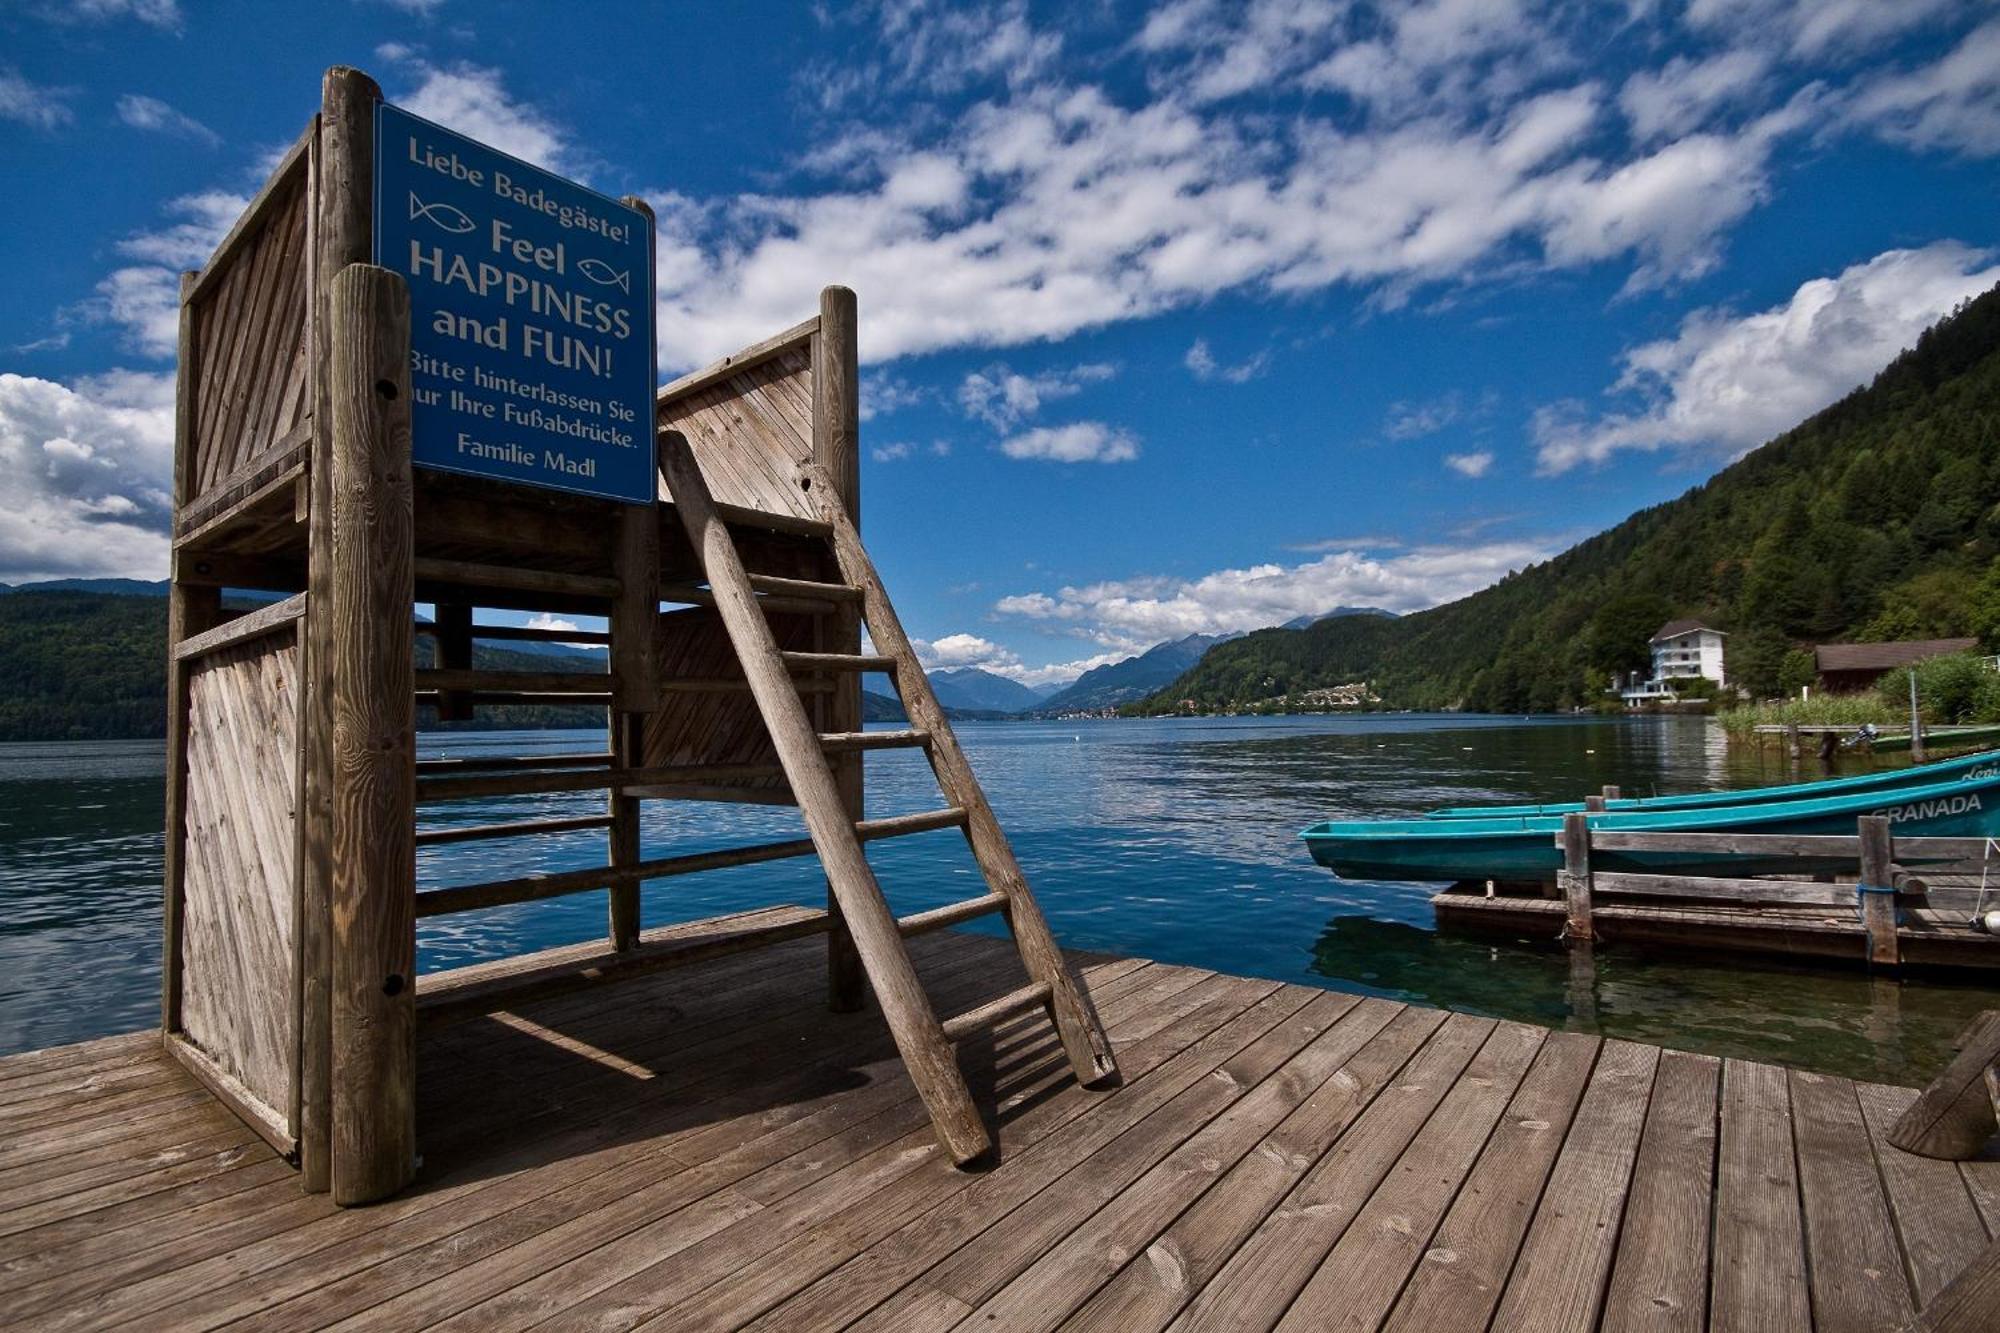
(1878, 518)
(80, 665)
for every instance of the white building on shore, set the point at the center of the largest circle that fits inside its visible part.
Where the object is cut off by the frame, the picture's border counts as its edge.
(1683, 650)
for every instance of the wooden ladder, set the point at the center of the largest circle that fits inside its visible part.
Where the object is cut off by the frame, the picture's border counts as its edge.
(927, 1046)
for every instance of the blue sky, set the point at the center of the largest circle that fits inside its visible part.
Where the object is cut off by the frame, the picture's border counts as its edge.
(1176, 318)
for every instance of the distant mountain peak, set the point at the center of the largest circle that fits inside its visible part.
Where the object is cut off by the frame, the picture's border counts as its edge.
(1338, 612)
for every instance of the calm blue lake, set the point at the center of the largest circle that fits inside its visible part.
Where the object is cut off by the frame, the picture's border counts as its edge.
(1173, 839)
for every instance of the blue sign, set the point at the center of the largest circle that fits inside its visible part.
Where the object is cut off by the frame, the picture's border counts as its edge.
(531, 314)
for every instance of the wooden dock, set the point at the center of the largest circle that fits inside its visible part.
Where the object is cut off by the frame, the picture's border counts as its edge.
(710, 1148)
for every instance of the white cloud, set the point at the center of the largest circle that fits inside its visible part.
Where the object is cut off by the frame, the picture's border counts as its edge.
(1410, 421)
(883, 394)
(1202, 363)
(1078, 442)
(1953, 103)
(892, 453)
(1683, 94)
(158, 13)
(150, 113)
(88, 467)
(1476, 464)
(1725, 384)
(1058, 207)
(1816, 28)
(1156, 608)
(1004, 398)
(33, 104)
(474, 101)
(957, 651)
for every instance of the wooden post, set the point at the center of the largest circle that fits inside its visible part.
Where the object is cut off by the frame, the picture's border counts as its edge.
(342, 171)
(1878, 891)
(1953, 1118)
(190, 610)
(454, 653)
(1917, 755)
(635, 685)
(836, 444)
(1576, 885)
(374, 740)
(1594, 804)
(1793, 744)
(1611, 792)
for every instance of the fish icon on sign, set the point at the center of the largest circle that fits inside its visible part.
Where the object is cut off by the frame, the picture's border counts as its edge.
(604, 275)
(449, 218)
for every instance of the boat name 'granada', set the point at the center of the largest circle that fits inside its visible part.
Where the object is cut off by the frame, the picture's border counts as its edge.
(1943, 805)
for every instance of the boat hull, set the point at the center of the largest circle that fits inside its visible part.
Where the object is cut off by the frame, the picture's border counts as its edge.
(1525, 848)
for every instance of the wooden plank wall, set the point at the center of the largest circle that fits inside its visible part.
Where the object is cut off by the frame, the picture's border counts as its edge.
(751, 430)
(714, 728)
(251, 372)
(237, 956)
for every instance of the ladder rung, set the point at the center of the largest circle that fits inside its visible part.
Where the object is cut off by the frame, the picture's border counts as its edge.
(897, 826)
(690, 595)
(996, 1011)
(522, 828)
(951, 914)
(810, 589)
(838, 662)
(843, 741)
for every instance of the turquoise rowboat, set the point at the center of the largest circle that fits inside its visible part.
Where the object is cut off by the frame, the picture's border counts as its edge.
(1890, 780)
(1524, 847)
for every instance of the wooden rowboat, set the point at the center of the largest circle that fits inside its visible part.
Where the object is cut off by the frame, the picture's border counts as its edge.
(1888, 780)
(1524, 847)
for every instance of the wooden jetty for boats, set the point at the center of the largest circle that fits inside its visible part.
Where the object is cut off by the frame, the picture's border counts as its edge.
(1887, 915)
(711, 1148)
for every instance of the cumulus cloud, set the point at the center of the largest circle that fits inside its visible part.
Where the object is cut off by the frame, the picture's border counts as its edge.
(1057, 206)
(151, 114)
(157, 13)
(474, 100)
(1725, 384)
(1201, 361)
(1078, 442)
(1162, 607)
(1004, 398)
(33, 104)
(1683, 94)
(958, 651)
(88, 467)
(883, 394)
(1475, 464)
(1952, 103)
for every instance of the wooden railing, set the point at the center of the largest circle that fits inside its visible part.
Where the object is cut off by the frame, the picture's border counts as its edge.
(1873, 851)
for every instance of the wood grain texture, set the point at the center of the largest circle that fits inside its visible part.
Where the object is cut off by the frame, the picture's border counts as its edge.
(1953, 1118)
(373, 849)
(1660, 1277)
(238, 988)
(631, 1156)
(1857, 1272)
(750, 430)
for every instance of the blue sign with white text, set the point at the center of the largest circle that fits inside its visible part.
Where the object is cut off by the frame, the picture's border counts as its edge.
(531, 314)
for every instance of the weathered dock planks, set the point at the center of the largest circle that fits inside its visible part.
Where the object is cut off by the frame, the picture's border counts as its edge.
(713, 1149)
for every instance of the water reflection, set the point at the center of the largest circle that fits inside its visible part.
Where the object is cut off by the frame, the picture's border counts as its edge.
(1170, 839)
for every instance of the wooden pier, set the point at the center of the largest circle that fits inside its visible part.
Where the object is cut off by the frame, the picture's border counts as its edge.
(711, 1148)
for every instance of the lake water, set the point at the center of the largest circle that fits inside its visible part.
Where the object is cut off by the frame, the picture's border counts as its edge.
(1174, 839)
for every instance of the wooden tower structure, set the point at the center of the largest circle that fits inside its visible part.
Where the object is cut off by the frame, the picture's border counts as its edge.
(735, 608)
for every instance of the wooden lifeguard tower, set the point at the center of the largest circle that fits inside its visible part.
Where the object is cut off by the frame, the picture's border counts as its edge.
(735, 608)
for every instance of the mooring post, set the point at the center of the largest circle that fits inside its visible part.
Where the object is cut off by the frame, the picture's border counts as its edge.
(1917, 755)
(836, 446)
(1612, 792)
(1877, 891)
(373, 848)
(342, 230)
(1594, 804)
(1793, 743)
(1576, 886)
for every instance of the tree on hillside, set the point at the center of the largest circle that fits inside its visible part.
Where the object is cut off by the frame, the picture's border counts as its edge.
(1621, 632)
